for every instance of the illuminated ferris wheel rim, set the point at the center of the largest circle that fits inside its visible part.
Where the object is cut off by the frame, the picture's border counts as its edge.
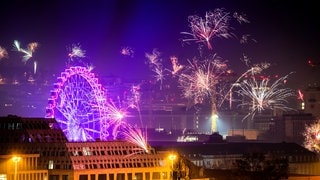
(78, 104)
(90, 79)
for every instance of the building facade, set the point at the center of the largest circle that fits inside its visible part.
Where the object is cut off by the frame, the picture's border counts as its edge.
(32, 149)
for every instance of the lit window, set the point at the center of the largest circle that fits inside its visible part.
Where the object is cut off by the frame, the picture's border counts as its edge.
(50, 164)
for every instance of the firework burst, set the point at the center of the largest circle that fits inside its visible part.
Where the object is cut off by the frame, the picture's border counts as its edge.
(137, 137)
(199, 83)
(75, 52)
(27, 53)
(127, 51)
(259, 95)
(203, 30)
(155, 64)
(116, 115)
(154, 59)
(199, 80)
(312, 137)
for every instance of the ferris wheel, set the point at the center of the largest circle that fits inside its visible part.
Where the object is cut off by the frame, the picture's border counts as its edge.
(78, 103)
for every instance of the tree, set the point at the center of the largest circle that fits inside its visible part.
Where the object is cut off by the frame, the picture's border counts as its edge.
(257, 166)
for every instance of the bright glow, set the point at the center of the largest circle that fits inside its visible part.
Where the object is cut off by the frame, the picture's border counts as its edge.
(214, 118)
(172, 157)
(16, 159)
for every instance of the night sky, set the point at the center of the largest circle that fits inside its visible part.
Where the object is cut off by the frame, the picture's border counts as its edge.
(287, 34)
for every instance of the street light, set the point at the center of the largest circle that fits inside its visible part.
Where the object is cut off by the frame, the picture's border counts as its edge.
(15, 160)
(172, 157)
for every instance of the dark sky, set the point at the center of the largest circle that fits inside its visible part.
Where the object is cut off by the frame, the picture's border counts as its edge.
(287, 33)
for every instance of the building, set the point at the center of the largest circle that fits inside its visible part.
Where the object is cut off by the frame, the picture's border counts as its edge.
(35, 149)
(224, 155)
(310, 100)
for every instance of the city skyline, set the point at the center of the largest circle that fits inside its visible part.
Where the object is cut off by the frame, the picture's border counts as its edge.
(116, 37)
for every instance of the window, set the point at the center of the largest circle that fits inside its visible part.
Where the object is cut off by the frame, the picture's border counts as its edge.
(86, 151)
(111, 176)
(92, 177)
(102, 177)
(65, 177)
(156, 175)
(50, 166)
(120, 176)
(83, 177)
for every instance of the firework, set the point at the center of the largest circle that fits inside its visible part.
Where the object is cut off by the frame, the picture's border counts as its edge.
(155, 64)
(153, 58)
(256, 69)
(35, 67)
(259, 95)
(176, 66)
(312, 137)
(241, 18)
(159, 75)
(199, 83)
(134, 100)
(246, 38)
(116, 115)
(127, 51)
(137, 137)
(27, 53)
(75, 51)
(3, 53)
(33, 46)
(300, 95)
(90, 67)
(199, 80)
(203, 30)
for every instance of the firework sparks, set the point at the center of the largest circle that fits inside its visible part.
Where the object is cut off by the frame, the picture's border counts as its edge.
(27, 52)
(215, 24)
(259, 95)
(75, 51)
(312, 137)
(3, 53)
(176, 66)
(90, 67)
(300, 95)
(201, 78)
(155, 64)
(116, 115)
(199, 83)
(159, 75)
(137, 137)
(127, 51)
(246, 38)
(241, 18)
(134, 101)
(256, 69)
(35, 67)
(154, 58)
